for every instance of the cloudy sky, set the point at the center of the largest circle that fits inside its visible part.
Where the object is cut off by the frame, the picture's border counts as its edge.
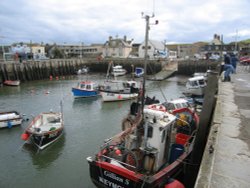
(87, 21)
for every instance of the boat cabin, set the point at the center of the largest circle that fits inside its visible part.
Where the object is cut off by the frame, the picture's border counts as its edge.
(87, 85)
(155, 140)
(124, 86)
(196, 82)
(176, 104)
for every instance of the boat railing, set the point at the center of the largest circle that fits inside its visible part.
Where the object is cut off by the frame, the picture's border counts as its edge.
(188, 145)
(120, 162)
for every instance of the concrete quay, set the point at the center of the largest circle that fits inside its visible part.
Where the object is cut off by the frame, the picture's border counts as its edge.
(226, 158)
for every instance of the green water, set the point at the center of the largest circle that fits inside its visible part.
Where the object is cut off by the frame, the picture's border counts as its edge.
(87, 123)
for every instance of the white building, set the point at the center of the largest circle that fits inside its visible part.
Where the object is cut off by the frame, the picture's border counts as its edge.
(117, 47)
(38, 52)
(156, 49)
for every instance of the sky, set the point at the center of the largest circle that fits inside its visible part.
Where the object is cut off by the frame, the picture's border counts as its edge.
(93, 21)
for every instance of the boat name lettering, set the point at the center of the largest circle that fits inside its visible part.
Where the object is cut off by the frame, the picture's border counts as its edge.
(109, 183)
(113, 176)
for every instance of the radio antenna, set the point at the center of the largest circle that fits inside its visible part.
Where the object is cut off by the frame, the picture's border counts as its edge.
(153, 7)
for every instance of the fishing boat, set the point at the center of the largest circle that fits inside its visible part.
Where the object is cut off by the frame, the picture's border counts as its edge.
(139, 71)
(85, 89)
(195, 86)
(119, 90)
(10, 119)
(151, 149)
(45, 129)
(118, 70)
(11, 82)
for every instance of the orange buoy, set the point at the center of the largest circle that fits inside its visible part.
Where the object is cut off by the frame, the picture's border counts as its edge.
(118, 152)
(25, 136)
(51, 77)
(174, 184)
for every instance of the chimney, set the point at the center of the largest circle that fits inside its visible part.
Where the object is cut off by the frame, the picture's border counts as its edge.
(110, 38)
(218, 37)
(215, 36)
(125, 38)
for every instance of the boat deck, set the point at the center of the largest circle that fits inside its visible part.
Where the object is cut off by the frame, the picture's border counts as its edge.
(46, 123)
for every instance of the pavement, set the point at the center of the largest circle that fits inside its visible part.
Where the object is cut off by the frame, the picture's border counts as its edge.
(226, 159)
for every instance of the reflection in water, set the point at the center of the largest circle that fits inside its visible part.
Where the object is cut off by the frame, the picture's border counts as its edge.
(116, 105)
(43, 158)
(81, 102)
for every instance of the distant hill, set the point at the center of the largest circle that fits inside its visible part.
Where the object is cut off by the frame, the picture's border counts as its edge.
(247, 41)
(242, 42)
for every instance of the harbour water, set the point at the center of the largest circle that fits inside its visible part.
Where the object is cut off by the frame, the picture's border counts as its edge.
(87, 123)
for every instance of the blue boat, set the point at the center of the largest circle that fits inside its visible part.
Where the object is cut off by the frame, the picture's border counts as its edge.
(85, 89)
(139, 71)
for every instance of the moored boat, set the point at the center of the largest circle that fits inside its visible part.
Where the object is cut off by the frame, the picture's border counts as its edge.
(10, 119)
(44, 129)
(85, 89)
(119, 90)
(83, 70)
(151, 148)
(195, 86)
(139, 71)
(11, 82)
(118, 70)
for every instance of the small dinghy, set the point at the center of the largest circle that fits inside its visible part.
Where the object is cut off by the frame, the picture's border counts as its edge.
(45, 129)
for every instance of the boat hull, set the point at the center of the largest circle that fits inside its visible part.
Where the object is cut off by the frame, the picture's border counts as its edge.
(10, 119)
(195, 91)
(11, 82)
(80, 93)
(122, 73)
(112, 96)
(105, 175)
(45, 129)
(44, 140)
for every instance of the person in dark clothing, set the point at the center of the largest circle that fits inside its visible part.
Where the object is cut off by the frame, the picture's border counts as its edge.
(227, 67)
(234, 60)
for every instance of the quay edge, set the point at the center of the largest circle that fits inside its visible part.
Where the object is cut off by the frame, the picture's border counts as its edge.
(226, 157)
(40, 70)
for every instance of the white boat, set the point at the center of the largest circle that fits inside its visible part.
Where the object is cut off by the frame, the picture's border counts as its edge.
(195, 86)
(83, 70)
(45, 129)
(118, 70)
(10, 119)
(118, 90)
(11, 82)
(176, 104)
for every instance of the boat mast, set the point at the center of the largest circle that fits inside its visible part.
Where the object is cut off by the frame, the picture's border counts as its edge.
(145, 59)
